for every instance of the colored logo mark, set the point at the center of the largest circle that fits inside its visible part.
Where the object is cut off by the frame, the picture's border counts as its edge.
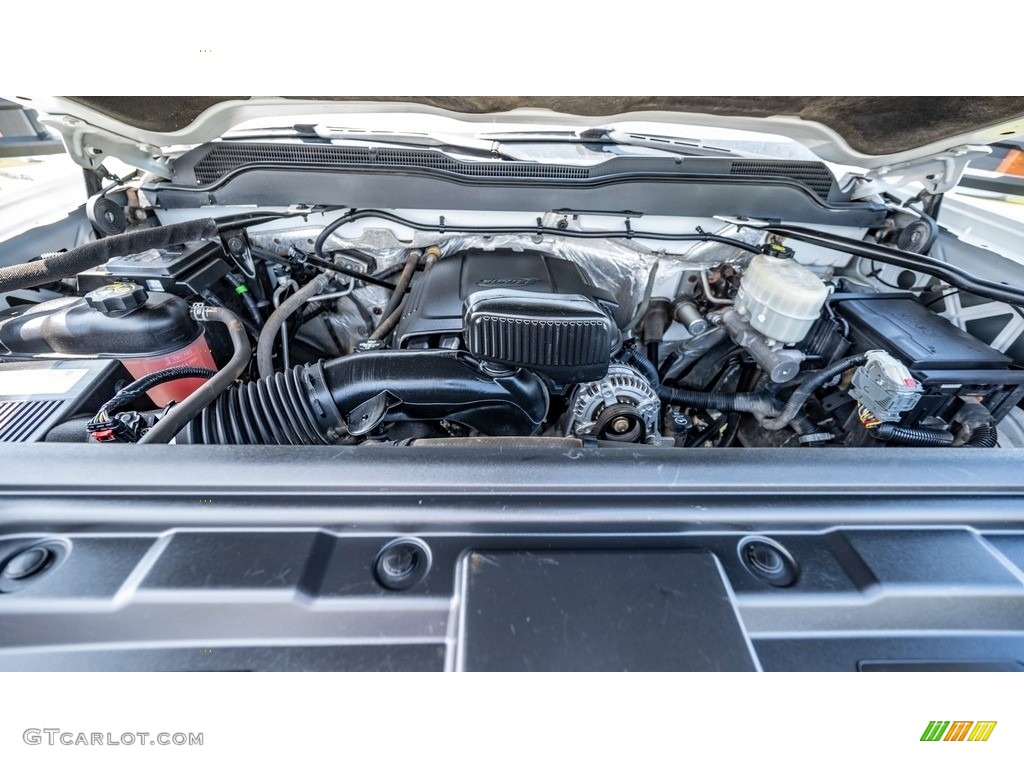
(958, 730)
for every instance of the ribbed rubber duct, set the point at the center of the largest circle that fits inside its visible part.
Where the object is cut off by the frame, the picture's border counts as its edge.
(319, 403)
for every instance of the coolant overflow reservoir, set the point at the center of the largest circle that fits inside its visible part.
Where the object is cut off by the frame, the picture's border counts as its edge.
(780, 298)
(146, 332)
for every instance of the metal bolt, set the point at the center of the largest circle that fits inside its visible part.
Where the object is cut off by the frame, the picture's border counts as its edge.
(620, 425)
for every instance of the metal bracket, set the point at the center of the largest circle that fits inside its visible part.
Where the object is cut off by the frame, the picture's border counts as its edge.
(938, 173)
(89, 146)
(236, 246)
(367, 416)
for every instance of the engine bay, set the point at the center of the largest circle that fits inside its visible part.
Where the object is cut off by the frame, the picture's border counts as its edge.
(368, 328)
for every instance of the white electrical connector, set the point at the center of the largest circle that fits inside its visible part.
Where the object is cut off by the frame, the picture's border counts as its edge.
(885, 386)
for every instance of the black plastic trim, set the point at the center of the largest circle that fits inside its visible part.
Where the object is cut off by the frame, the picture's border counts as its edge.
(651, 194)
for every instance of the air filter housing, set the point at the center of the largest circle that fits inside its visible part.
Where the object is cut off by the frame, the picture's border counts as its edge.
(566, 337)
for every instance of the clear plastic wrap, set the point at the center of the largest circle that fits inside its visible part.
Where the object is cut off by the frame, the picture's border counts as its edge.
(618, 265)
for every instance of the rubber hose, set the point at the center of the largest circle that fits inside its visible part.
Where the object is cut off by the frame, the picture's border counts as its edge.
(920, 436)
(97, 252)
(800, 394)
(210, 390)
(804, 425)
(265, 345)
(247, 300)
(398, 295)
(387, 325)
(212, 298)
(979, 425)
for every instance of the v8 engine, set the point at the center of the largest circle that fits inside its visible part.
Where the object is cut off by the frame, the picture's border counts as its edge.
(293, 336)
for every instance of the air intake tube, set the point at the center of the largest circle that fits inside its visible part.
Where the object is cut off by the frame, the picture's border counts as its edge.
(319, 403)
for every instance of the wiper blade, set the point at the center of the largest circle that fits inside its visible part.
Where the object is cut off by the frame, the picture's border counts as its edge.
(673, 144)
(432, 140)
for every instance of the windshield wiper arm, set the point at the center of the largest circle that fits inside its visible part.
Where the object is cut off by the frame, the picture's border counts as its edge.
(432, 141)
(673, 144)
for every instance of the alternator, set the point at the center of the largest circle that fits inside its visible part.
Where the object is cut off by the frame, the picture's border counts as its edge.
(622, 407)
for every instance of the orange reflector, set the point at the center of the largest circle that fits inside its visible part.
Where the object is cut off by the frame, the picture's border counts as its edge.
(1012, 164)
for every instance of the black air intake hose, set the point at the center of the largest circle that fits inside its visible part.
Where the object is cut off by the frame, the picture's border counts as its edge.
(319, 403)
(921, 436)
(89, 255)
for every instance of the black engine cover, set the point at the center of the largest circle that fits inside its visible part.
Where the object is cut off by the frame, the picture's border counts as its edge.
(435, 305)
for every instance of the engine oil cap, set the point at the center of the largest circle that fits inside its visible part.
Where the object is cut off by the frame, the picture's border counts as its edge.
(117, 299)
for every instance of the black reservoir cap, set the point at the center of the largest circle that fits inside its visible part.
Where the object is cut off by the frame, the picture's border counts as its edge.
(117, 299)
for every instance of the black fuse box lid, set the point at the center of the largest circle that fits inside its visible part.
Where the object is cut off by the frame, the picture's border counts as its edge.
(920, 338)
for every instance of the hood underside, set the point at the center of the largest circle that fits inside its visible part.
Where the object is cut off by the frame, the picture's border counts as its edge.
(869, 132)
(871, 125)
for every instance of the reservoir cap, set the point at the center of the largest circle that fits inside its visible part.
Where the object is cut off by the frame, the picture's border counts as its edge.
(117, 299)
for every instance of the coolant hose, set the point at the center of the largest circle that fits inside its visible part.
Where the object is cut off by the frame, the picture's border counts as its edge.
(800, 394)
(93, 254)
(920, 436)
(184, 412)
(265, 345)
(212, 298)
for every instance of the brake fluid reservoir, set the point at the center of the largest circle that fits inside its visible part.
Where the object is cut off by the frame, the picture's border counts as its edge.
(780, 298)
